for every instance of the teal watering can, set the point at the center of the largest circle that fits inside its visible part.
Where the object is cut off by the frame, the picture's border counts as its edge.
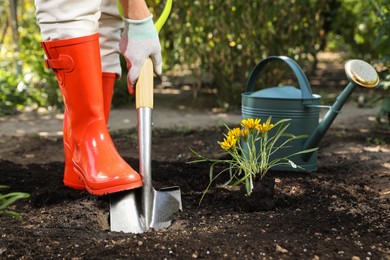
(301, 106)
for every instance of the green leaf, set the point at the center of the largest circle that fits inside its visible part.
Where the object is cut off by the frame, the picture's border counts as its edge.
(292, 164)
(11, 214)
(7, 199)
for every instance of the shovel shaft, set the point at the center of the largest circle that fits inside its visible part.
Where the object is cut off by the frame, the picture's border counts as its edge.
(145, 167)
(144, 144)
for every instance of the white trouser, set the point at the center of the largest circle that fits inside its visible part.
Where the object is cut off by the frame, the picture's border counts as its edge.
(64, 19)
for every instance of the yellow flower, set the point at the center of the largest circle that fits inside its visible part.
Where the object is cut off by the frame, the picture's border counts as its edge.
(228, 143)
(244, 133)
(235, 132)
(265, 127)
(250, 123)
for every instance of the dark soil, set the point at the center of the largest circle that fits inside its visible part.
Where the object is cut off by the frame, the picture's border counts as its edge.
(342, 211)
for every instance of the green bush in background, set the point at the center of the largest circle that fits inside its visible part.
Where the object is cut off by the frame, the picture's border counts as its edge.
(219, 41)
(223, 40)
(23, 78)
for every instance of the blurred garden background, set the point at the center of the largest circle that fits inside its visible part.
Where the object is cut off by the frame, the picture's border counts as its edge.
(216, 42)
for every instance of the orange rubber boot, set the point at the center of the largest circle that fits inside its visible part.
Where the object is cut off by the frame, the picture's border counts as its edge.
(76, 63)
(108, 91)
(71, 179)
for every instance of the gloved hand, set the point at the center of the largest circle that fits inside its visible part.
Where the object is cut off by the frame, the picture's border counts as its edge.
(140, 41)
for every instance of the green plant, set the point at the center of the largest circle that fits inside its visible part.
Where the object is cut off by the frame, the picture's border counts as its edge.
(24, 81)
(250, 149)
(375, 141)
(8, 199)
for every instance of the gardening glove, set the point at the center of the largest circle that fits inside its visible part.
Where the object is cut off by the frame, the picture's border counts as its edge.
(140, 41)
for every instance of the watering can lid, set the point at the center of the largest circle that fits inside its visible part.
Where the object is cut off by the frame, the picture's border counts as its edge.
(282, 92)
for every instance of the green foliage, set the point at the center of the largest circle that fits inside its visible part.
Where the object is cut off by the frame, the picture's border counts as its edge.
(17, 91)
(219, 40)
(25, 82)
(223, 40)
(364, 27)
(42, 80)
(8, 199)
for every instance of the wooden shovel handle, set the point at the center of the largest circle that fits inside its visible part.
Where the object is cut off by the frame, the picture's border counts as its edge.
(144, 87)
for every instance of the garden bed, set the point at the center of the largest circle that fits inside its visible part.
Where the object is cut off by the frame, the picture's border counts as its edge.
(340, 211)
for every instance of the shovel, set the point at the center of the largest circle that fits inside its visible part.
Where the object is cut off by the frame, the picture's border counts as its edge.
(145, 208)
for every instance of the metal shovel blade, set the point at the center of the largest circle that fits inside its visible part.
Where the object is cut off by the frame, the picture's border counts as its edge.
(128, 210)
(145, 208)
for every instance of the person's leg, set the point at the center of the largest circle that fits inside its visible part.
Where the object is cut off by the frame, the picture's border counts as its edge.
(72, 47)
(110, 27)
(64, 19)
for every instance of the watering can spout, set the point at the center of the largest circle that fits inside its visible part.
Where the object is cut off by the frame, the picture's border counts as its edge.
(359, 73)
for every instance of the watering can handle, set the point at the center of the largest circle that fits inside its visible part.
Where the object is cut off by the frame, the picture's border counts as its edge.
(302, 80)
